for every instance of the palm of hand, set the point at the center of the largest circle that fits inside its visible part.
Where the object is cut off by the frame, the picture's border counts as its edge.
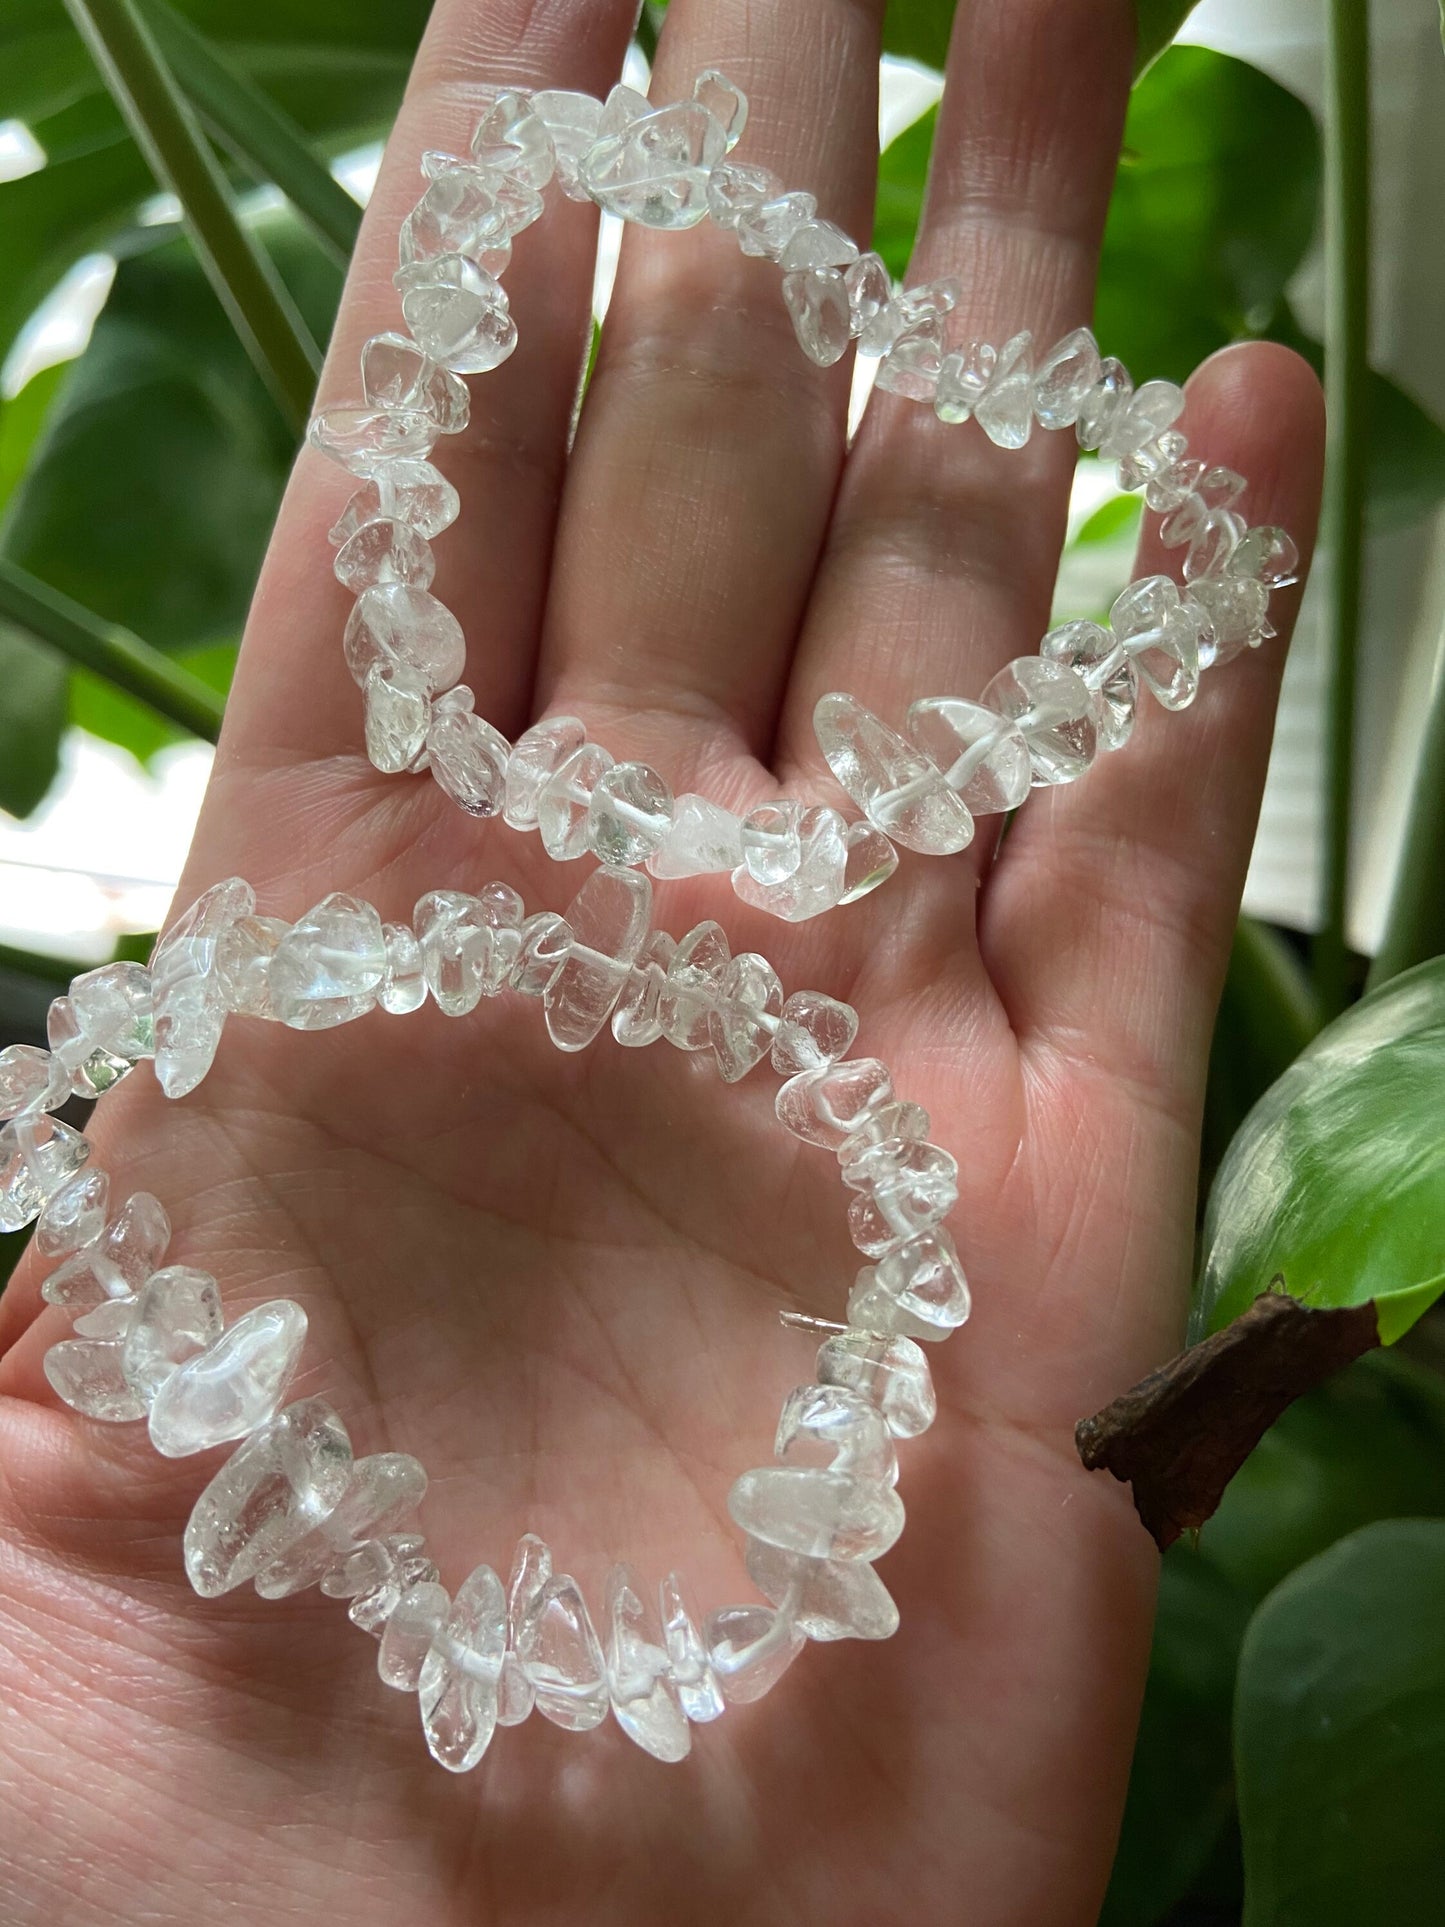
(555, 1280)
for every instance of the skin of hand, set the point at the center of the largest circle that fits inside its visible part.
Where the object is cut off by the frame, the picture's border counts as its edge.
(556, 1280)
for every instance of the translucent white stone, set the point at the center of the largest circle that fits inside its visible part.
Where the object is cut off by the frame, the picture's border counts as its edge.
(963, 380)
(531, 1569)
(817, 304)
(364, 440)
(459, 950)
(328, 967)
(771, 840)
(413, 492)
(1228, 615)
(536, 757)
(459, 214)
(817, 245)
(460, 1674)
(384, 1490)
(1005, 410)
(869, 291)
(86, 1373)
(768, 228)
(869, 860)
(826, 1106)
(571, 120)
(113, 1319)
(512, 138)
(1173, 485)
(744, 1019)
(91, 1069)
(412, 1625)
(277, 1486)
(830, 1598)
(1054, 713)
(74, 1215)
(1266, 554)
(735, 191)
(727, 104)
(635, 1021)
(120, 1260)
(1211, 549)
(698, 1691)
(396, 374)
(900, 790)
(399, 624)
(469, 761)
(916, 1291)
(234, 1386)
(177, 1314)
(243, 965)
(559, 1650)
(544, 942)
(912, 364)
(412, 1566)
(645, 1699)
(403, 979)
(1153, 459)
(565, 803)
(749, 1649)
(609, 917)
(629, 815)
(38, 1155)
(982, 756)
(813, 1032)
(516, 1695)
(1064, 377)
(694, 979)
(816, 884)
(903, 1188)
(891, 1372)
(458, 313)
(1099, 405)
(895, 1119)
(1108, 673)
(703, 838)
(189, 1007)
(835, 1429)
(1161, 638)
(823, 1515)
(384, 551)
(655, 170)
(116, 1010)
(367, 1565)
(30, 1080)
(1151, 409)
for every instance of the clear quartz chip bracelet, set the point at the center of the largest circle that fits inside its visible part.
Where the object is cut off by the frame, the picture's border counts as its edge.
(1042, 719)
(293, 1507)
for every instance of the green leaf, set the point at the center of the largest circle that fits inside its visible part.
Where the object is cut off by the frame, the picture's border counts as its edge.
(104, 710)
(1266, 1017)
(1159, 21)
(1215, 203)
(1336, 1179)
(918, 30)
(32, 718)
(1340, 1736)
(1120, 515)
(902, 178)
(21, 420)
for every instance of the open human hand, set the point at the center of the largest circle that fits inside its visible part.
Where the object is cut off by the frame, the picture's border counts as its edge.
(556, 1280)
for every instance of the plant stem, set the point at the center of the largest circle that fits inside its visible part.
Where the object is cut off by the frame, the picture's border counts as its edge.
(165, 129)
(110, 651)
(255, 130)
(1415, 925)
(1347, 320)
(645, 32)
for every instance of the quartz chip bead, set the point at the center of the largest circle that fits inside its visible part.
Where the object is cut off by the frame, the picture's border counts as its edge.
(544, 943)
(1162, 639)
(396, 374)
(177, 1313)
(1141, 418)
(771, 840)
(74, 1216)
(635, 1022)
(243, 965)
(767, 228)
(735, 192)
(90, 1068)
(88, 1375)
(727, 104)
(1264, 554)
(30, 1080)
(629, 814)
(403, 979)
(917, 1290)
(830, 1598)
(412, 1625)
(645, 1700)
(328, 967)
(869, 859)
(512, 139)
(750, 1648)
(608, 918)
(982, 755)
(1098, 406)
(818, 1513)
(459, 951)
(817, 881)
(233, 1386)
(413, 492)
(1064, 377)
(458, 313)
(1229, 615)
(284, 1480)
(396, 710)
(837, 1429)
(536, 757)
(702, 839)
(118, 1262)
(571, 121)
(1054, 712)
(814, 1031)
(899, 789)
(692, 985)
(817, 302)
(698, 1691)
(384, 551)
(869, 292)
(469, 760)
(406, 1563)
(827, 1106)
(365, 440)
(460, 1673)
(903, 1187)
(744, 1018)
(654, 171)
(963, 380)
(115, 1009)
(189, 1008)
(892, 1372)
(912, 364)
(1108, 672)
(558, 1648)
(564, 807)
(384, 1490)
(458, 215)
(397, 623)
(1005, 409)
(38, 1156)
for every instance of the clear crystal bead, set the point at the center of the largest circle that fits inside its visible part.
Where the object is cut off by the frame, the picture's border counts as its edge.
(635, 1020)
(542, 950)
(38, 1155)
(536, 757)
(86, 1374)
(459, 214)
(369, 1564)
(903, 1187)
(120, 1260)
(698, 1691)
(629, 815)
(814, 1032)
(891, 1372)
(749, 1649)
(116, 1011)
(655, 170)
(1064, 377)
(915, 1291)
(469, 761)
(243, 965)
(458, 948)
(74, 1216)
(817, 245)
(177, 1314)
(381, 552)
(834, 1428)
(512, 138)
(396, 374)
(735, 191)
(771, 840)
(692, 985)
(727, 104)
(821, 1514)
(816, 884)
(963, 380)
(189, 1008)
(516, 1695)
(826, 1107)
(982, 756)
(1141, 418)
(272, 1490)
(869, 860)
(415, 1620)
(234, 1386)
(457, 1685)
(411, 1566)
(458, 313)
(645, 1699)
(896, 1118)
(829, 1598)
(817, 304)
(1161, 639)
(403, 979)
(767, 229)
(1228, 615)
(30, 1080)
(384, 1490)
(91, 1068)
(1265, 554)
(559, 1650)
(565, 803)
(900, 790)
(912, 364)
(412, 492)
(744, 1019)
(1054, 713)
(327, 968)
(365, 440)
(571, 121)
(869, 291)
(1005, 410)
(396, 623)
(609, 918)
(1108, 673)
(702, 840)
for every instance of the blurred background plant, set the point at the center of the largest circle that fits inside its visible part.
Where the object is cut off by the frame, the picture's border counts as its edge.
(159, 312)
